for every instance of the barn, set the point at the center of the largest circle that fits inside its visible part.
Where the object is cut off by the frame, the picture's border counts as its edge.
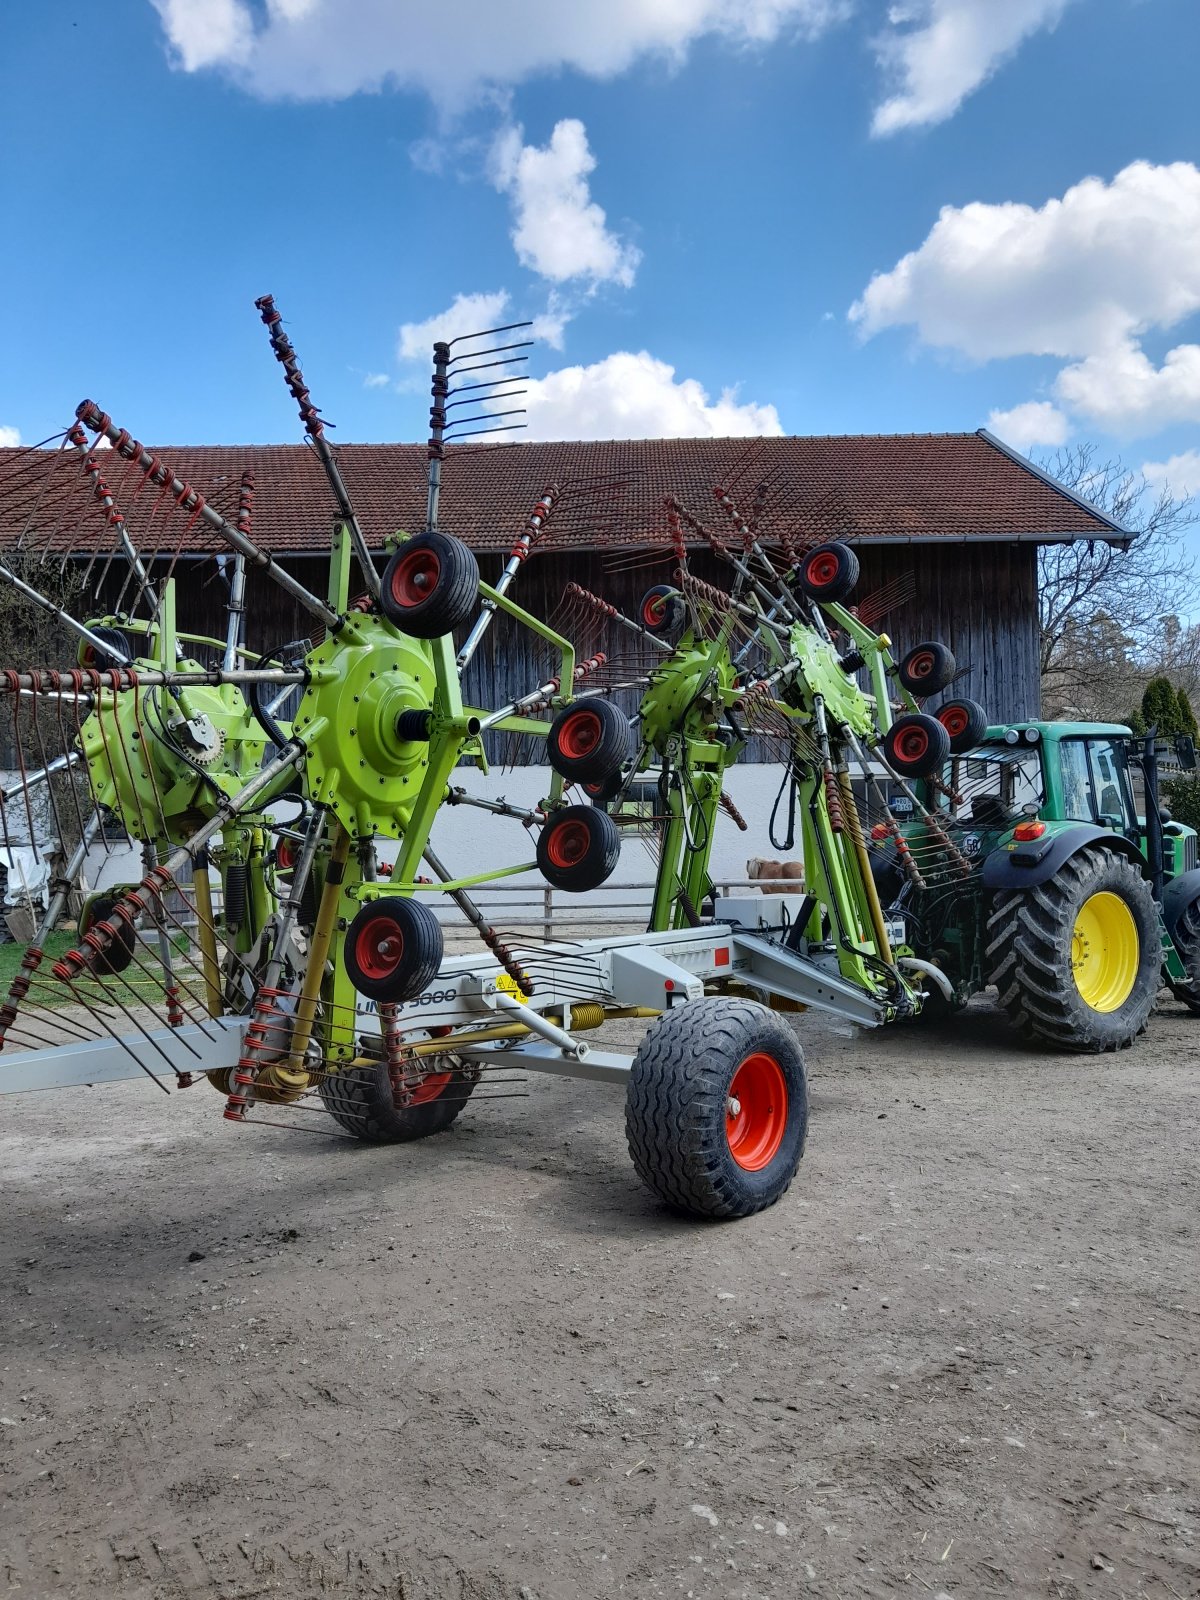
(947, 528)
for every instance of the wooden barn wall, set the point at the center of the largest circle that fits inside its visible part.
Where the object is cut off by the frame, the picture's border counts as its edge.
(980, 599)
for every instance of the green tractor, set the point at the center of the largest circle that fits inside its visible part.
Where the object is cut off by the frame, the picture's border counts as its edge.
(1078, 906)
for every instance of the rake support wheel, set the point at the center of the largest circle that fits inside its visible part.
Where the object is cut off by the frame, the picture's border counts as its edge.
(663, 609)
(430, 586)
(716, 1111)
(916, 745)
(965, 721)
(828, 572)
(360, 1098)
(108, 963)
(578, 848)
(1076, 960)
(927, 669)
(588, 740)
(393, 949)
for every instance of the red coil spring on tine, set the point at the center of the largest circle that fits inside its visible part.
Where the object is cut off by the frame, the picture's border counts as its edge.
(833, 801)
(288, 359)
(726, 803)
(246, 502)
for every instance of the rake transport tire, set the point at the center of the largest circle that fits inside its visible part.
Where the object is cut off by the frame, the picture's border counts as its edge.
(1077, 959)
(393, 949)
(828, 572)
(361, 1100)
(578, 848)
(1187, 941)
(927, 669)
(588, 741)
(430, 586)
(716, 1110)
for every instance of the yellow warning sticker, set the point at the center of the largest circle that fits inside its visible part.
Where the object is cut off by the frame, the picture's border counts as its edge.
(510, 986)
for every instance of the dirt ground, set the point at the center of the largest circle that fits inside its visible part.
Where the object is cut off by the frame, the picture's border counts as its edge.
(958, 1359)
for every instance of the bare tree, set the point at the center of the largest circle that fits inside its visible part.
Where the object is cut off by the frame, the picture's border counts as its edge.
(1106, 612)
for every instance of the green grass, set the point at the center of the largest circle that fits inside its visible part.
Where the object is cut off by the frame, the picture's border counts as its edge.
(138, 982)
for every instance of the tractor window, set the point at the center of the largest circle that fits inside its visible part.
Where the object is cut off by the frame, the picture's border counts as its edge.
(1096, 783)
(995, 785)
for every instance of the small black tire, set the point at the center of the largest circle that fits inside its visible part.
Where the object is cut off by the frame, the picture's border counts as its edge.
(828, 572)
(430, 586)
(697, 1145)
(1030, 955)
(578, 848)
(118, 952)
(361, 1100)
(1187, 942)
(965, 721)
(589, 740)
(916, 745)
(663, 610)
(393, 949)
(117, 649)
(927, 669)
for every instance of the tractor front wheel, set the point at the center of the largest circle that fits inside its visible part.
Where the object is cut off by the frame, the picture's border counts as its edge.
(716, 1111)
(1076, 960)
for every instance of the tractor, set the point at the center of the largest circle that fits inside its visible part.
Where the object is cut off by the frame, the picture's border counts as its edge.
(1079, 906)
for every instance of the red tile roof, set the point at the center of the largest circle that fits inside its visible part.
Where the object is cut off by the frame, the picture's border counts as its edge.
(948, 487)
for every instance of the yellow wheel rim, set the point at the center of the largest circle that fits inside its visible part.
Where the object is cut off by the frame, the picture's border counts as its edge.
(1105, 951)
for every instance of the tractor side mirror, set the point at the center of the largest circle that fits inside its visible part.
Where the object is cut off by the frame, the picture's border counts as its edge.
(1185, 751)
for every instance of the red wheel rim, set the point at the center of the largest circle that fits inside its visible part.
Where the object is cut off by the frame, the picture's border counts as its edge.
(921, 664)
(430, 1088)
(756, 1112)
(913, 744)
(415, 577)
(378, 948)
(954, 720)
(821, 570)
(567, 844)
(654, 609)
(579, 734)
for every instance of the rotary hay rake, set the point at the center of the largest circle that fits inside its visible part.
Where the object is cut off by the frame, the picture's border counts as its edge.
(322, 985)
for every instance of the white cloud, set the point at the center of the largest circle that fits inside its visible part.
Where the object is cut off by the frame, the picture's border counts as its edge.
(936, 52)
(1082, 277)
(1123, 392)
(10, 438)
(207, 33)
(376, 380)
(634, 396)
(1034, 423)
(1180, 474)
(1077, 275)
(327, 49)
(470, 313)
(559, 231)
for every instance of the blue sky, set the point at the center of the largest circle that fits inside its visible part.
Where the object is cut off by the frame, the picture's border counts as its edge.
(725, 213)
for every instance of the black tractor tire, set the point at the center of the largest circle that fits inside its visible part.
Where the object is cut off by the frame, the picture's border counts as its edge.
(1034, 942)
(927, 669)
(578, 848)
(663, 610)
(393, 949)
(118, 954)
(965, 721)
(916, 745)
(360, 1099)
(589, 740)
(691, 1146)
(828, 572)
(430, 586)
(1187, 941)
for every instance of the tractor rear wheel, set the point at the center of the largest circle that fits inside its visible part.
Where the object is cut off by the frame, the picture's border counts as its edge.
(361, 1099)
(716, 1111)
(1076, 959)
